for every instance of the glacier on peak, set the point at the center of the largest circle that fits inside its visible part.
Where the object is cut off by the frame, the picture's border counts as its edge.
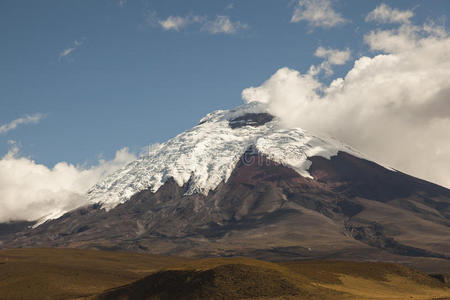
(207, 154)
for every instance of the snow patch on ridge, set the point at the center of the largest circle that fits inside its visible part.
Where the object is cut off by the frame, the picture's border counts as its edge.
(207, 154)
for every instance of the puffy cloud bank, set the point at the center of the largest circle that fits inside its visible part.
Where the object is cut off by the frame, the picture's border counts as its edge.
(30, 191)
(394, 106)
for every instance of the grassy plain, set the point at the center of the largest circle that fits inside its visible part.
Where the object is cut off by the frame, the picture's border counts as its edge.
(90, 274)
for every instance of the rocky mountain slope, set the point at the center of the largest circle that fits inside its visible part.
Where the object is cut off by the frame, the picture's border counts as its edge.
(239, 183)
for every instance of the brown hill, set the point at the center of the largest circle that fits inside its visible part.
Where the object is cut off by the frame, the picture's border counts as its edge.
(231, 281)
(250, 279)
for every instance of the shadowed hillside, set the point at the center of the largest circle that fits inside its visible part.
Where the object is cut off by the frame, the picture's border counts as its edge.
(231, 281)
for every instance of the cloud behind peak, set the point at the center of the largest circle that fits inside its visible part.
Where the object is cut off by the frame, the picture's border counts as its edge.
(394, 106)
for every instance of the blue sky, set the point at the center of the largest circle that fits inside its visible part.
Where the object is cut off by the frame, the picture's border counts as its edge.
(106, 74)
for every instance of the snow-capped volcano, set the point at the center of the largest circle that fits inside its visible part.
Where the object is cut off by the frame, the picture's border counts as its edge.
(205, 155)
(239, 183)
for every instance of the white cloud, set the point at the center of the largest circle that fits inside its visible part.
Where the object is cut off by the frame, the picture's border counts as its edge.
(27, 119)
(66, 52)
(122, 3)
(390, 40)
(395, 107)
(385, 14)
(404, 37)
(318, 13)
(220, 24)
(333, 56)
(230, 6)
(30, 191)
(223, 24)
(176, 23)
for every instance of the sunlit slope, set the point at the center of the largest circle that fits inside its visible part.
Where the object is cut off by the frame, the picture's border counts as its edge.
(68, 273)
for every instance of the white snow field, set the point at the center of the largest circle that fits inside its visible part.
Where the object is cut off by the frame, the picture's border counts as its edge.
(206, 155)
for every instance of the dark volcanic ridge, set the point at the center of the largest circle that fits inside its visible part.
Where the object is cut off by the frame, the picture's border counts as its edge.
(250, 119)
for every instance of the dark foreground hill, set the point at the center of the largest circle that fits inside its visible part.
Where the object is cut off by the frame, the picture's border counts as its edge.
(88, 274)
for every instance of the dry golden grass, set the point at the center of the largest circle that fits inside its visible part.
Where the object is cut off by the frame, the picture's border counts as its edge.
(395, 287)
(69, 273)
(86, 274)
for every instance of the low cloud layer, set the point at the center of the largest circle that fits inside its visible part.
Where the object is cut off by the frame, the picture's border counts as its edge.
(30, 191)
(394, 106)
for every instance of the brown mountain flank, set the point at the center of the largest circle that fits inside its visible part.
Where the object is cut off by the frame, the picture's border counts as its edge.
(352, 209)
